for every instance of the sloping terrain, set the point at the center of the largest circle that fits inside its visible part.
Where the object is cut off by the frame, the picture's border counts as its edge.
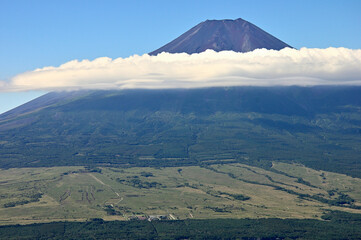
(318, 127)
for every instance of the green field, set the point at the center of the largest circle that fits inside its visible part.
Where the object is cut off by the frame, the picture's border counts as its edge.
(31, 195)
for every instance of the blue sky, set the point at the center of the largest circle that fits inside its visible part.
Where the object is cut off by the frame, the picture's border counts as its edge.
(34, 34)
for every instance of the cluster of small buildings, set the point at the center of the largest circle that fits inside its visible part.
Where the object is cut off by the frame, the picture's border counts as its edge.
(151, 218)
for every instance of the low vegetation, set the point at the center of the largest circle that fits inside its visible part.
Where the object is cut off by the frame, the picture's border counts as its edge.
(32, 195)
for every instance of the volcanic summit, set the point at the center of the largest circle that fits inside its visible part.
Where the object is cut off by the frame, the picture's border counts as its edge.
(220, 35)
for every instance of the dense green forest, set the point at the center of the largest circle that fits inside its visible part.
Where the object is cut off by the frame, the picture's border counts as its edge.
(318, 127)
(337, 225)
(92, 131)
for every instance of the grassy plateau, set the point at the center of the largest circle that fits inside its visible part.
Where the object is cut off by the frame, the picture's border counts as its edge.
(31, 195)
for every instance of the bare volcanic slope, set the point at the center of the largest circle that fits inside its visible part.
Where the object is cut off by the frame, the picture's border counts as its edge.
(234, 35)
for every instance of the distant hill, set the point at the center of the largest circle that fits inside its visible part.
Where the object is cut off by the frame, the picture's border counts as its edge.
(233, 35)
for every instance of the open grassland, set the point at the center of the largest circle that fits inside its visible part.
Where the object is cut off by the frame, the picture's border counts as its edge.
(29, 195)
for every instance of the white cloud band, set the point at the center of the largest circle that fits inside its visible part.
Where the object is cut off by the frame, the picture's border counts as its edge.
(261, 67)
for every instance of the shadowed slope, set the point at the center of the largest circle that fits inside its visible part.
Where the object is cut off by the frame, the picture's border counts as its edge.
(319, 127)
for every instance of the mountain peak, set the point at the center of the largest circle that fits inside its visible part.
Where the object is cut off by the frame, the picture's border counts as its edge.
(226, 20)
(234, 35)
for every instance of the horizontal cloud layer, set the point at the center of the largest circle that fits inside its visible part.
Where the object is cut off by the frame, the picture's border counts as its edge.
(261, 67)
